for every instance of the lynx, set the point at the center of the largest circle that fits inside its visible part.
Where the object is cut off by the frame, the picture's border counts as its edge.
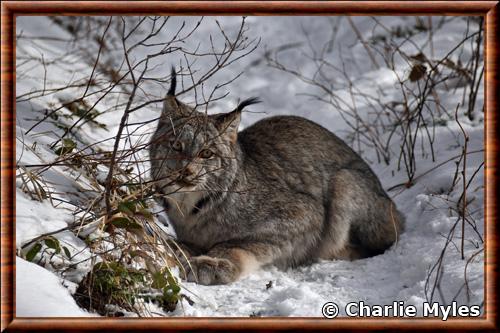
(284, 191)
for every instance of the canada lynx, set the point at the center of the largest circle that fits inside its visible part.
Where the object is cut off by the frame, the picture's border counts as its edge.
(284, 191)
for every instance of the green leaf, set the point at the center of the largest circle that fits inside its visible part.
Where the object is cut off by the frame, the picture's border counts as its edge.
(125, 223)
(137, 277)
(146, 213)
(68, 143)
(175, 288)
(59, 151)
(33, 252)
(66, 147)
(159, 280)
(52, 243)
(134, 225)
(169, 295)
(66, 252)
(120, 222)
(172, 283)
(126, 207)
(171, 280)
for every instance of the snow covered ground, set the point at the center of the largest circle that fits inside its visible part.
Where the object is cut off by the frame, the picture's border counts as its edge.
(400, 274)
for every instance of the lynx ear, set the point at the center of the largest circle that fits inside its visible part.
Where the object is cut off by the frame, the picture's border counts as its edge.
(171, 106)
(173, 82)
(228, 123)
(247, 102)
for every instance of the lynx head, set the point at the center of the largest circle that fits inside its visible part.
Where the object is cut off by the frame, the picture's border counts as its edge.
(193, 151)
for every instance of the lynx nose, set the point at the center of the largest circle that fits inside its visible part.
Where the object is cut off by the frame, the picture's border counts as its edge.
(187, 172)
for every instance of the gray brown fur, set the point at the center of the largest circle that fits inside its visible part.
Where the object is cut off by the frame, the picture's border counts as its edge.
(284, 191)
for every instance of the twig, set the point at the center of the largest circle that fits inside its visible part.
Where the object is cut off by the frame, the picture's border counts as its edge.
(365, 44)
(464, 180)
(434, 168)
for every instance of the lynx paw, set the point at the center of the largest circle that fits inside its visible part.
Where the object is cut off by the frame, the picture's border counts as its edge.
(207, 270)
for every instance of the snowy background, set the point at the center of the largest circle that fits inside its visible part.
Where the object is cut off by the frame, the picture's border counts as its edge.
(51, 54)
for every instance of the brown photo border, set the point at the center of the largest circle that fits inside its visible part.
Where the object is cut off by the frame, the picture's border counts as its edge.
(11, 9)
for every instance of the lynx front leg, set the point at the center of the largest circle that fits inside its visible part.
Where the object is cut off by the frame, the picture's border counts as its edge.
(222, 265)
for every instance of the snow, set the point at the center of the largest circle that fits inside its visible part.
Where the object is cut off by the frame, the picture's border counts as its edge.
(40, 293)
(400, 274)
(36, 218)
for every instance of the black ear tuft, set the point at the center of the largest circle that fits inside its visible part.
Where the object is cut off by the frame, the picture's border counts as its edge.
(247, 102)
(173, 82)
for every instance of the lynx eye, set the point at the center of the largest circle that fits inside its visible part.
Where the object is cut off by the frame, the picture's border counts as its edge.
(176, 145)
(206, 153)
